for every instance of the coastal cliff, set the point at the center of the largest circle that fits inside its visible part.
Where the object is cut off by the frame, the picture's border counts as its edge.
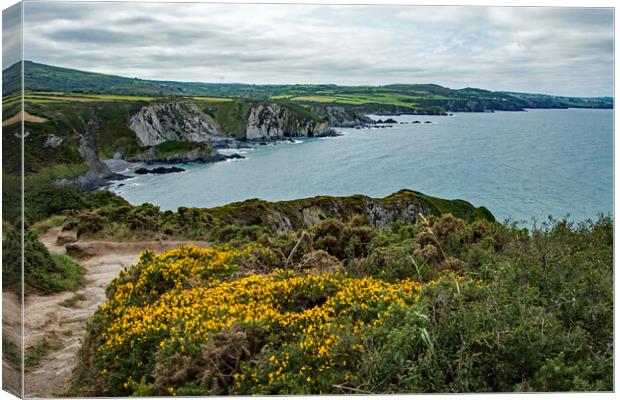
(157, 123)
(169, 131)
(183, 121)
(342, 117)
(275, 121)
(254, 216)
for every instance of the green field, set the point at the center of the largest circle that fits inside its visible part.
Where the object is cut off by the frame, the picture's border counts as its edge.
(212, 99)
(60, 97)
(49, 83)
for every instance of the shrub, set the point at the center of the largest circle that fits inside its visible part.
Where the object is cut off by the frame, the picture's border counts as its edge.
(43, 272)
(439, 306)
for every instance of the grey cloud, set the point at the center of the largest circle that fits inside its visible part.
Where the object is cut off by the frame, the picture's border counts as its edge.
(555, 50)
(90, 36)
(11, 35)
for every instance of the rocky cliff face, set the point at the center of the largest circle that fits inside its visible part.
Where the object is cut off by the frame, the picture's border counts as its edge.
(184, 121)
(287, 216)
(341, 116)
(272, 121)
(99, 174)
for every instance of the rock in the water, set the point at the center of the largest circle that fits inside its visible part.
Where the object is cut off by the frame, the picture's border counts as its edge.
(158, 170)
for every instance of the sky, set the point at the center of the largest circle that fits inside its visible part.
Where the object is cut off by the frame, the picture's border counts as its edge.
(560, 51)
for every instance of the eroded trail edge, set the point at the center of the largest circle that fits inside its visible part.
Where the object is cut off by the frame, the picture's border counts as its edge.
(58, 322)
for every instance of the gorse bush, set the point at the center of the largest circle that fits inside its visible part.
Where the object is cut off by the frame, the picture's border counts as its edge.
(173, 307)
(438, 306)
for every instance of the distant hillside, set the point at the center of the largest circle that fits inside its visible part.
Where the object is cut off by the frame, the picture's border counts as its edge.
(388, 99)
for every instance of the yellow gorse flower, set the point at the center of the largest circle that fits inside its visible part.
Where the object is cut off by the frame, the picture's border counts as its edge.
(187, 295)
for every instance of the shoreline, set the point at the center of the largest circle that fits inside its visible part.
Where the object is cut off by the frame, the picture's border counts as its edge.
(167, 165)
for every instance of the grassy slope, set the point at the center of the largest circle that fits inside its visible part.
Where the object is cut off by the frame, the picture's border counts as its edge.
(68, 116)
(68, 120)
(419, 97)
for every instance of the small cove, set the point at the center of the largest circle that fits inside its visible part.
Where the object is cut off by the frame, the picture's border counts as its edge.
(520, 165)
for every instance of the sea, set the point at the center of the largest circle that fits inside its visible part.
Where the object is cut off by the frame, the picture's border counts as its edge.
(523, 166)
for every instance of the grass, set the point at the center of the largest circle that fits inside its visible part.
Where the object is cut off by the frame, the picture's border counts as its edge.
(35, 354)
(86, 97)
(11, 352)
(60, 97)
(57, 171)
(72, 273)
(115, 97)
(31, 100)
(72, 301)
(213, 99)
(54, 221)
(356, 98)
(316, 99)
(230, 115)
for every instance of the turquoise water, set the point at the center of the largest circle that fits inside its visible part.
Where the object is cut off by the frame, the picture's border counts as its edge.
(520, 165)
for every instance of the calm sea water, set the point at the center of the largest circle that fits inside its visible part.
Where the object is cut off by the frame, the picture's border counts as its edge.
(520, 165)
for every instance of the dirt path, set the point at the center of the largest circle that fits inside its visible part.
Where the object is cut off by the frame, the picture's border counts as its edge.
(60, 319)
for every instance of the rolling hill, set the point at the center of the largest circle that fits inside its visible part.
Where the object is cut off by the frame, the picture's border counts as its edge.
(397, 98)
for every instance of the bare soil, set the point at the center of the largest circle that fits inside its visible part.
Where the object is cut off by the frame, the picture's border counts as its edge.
(60, 319)
(27, 117)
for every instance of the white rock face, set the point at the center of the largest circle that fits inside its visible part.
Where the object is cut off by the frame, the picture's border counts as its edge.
(269, 121)
(159, 122)
(52, 141)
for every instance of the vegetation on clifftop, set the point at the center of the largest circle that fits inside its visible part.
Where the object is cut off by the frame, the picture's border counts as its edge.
(437, 306)
(249, 219)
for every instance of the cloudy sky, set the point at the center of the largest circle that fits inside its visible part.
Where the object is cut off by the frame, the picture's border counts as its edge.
(559, 51)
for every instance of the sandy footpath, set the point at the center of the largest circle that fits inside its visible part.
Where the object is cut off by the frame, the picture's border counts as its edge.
(62, 326)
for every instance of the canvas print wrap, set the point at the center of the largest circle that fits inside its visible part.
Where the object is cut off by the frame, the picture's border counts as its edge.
(12, 206)
(306, 199)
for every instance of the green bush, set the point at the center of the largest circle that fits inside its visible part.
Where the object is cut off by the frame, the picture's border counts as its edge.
(43, 272)
(493, 307)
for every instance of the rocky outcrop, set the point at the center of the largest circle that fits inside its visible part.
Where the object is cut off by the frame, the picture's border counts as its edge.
(153, 154)
(159, 170)
(340, 116)
(99, 174)
(201, 154)
(183, 121)
(275, 121)
(52, 141)
(287, 216)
